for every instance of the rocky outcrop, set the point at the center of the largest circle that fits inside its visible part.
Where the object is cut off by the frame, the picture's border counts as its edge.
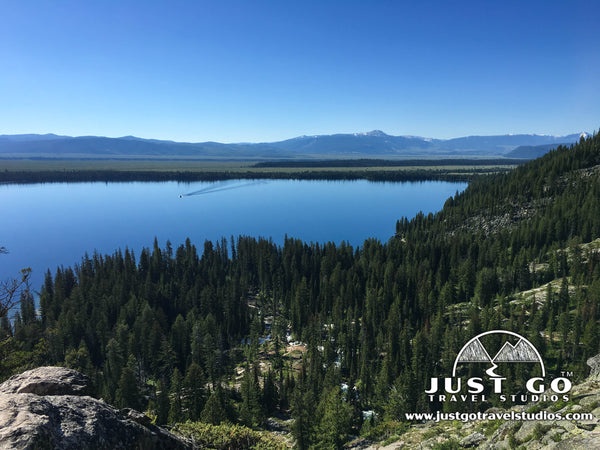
(44, 409)
(581, 431)
(47, 381)
(472, 440)
(594, 363)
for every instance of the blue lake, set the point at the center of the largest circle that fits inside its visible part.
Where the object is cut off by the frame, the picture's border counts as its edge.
(48, 225)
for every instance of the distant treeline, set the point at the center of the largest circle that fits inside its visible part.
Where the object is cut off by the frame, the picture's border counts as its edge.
(64, 176)
(178, 331)
(388, 163)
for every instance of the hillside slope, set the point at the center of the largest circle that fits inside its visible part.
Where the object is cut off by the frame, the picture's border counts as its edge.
(334, 340)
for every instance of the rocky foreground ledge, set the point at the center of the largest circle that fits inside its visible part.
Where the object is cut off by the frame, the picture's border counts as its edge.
(510, 434)
(48, 408)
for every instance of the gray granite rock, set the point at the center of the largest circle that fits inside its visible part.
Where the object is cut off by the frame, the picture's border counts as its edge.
(47, 381)
(594, 363)
(588, 440)
(472, 440)
(50, 419)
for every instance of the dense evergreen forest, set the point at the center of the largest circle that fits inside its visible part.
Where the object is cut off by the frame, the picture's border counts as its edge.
(392, 163)
(343, 339)
(309, 173)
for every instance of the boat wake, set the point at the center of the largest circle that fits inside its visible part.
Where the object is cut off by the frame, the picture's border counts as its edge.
(221, 186)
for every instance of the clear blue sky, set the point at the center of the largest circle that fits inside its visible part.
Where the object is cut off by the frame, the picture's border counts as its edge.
(255, 71)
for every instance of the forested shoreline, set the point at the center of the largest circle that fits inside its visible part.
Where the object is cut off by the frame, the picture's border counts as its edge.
(342, 339)
(70, 176)
(392, 163)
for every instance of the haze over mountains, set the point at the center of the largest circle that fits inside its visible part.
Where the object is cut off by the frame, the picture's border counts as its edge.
(358, 145)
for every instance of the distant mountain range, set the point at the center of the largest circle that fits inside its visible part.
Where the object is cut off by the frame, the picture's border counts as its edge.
(374, 144)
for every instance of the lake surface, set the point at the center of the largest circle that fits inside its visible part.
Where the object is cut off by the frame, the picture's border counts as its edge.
(47, 225)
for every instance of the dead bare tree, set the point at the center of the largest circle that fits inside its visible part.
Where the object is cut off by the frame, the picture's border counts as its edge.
(10, 291)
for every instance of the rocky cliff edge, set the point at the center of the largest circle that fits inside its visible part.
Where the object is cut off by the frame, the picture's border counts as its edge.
(49, 408)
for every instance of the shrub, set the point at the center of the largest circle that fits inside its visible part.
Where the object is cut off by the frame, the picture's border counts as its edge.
(226, 436)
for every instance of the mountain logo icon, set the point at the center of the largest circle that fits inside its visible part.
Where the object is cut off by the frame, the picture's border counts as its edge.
(522, 351)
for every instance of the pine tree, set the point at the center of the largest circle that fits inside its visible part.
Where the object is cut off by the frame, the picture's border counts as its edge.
(251, 409)
(79, 359)
(128, 395)
(176, 411)
(590, 340)
(193, 399)
(218, 408)
(335, 418)
(269, 394)
(303, 407)
(162, 403)
(115, 361)
(214, 411)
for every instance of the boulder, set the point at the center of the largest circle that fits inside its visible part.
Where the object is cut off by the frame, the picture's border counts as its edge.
(594, 363)
(35, 413)
(47, 381)
(587, 440)
(472, 440)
